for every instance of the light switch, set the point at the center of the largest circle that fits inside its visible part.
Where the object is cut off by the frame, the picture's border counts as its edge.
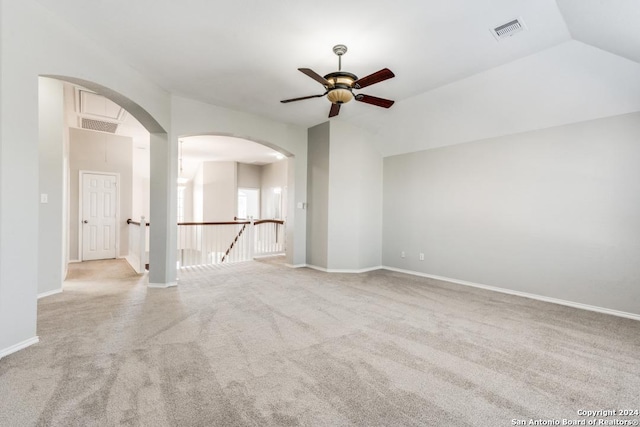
(44, 198)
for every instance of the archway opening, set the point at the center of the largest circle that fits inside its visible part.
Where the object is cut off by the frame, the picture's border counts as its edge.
(61, 211)
(233, 199)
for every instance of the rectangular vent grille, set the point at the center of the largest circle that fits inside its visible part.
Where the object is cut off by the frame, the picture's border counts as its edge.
(99, 125)
(508, 29)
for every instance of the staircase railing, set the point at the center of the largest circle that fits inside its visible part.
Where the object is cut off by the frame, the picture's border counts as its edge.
(233, 243)
(269, 237)
(211, 243)
(138, 256)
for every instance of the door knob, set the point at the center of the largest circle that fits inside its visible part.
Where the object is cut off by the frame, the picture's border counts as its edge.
(85, 221)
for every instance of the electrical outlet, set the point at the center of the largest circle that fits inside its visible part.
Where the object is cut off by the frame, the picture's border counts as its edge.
(402, 254)
(421, 257)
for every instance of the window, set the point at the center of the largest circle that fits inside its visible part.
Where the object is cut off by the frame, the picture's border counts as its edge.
(248, 203)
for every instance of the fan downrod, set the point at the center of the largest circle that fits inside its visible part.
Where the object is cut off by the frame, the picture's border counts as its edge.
(339, 50)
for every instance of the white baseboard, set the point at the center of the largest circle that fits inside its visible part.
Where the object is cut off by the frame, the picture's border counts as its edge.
(73, 261)
(350, 271)
(162, 285)
(521, 294)
(19, 346)
(269, 255)
(296, 265)
(49, 293)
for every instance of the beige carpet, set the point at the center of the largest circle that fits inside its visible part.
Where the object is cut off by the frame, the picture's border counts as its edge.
(260, 344)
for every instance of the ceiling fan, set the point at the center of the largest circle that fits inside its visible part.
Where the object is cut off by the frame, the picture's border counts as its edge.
(339, 85)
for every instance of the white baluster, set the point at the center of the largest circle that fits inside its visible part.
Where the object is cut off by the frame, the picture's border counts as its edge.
(142, 243)
(251, 239)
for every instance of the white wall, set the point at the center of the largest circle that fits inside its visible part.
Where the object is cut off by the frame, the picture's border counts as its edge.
(554, 212)
(189, 202)
(249, 176)
(355, 199)
(45, 46)
(198, 195)
(219, 191)
(318, 195)
(52, 240)
(99, 152)
(214, 189)
(273, 177)
(345, 198)
(214, 192)
(140, 181)
(191, 117)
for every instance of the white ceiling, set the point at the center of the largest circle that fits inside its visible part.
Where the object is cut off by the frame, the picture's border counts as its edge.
(194, 150)
(244, 55)
(612, 25)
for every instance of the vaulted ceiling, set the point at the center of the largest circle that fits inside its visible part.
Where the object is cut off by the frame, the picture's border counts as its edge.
(244, 55)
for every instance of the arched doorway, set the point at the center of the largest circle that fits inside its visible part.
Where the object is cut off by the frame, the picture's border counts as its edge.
(224, 177)
(161, 194)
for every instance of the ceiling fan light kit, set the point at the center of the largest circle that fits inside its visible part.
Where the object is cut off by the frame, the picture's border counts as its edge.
(339, 85)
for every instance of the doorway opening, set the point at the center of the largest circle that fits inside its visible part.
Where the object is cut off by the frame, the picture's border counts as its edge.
(233, 190)
(94, 147)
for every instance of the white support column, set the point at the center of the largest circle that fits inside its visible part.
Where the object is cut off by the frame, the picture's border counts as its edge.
(163, 229)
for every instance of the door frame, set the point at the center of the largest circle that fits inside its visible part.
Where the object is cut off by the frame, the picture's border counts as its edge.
(81, 174)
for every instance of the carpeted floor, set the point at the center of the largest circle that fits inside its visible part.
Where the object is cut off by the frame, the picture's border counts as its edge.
(260, 344)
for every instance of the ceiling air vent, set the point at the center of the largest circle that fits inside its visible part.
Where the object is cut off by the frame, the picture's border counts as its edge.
(508, 29)
(95, 112)
(99, 125)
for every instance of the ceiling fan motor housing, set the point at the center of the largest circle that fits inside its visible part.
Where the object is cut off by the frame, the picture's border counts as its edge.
(340, 86)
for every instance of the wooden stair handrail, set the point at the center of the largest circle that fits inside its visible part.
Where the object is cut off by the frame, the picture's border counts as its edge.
(256, 222)
(234, 241)
(130, 221)
(215, 223)
(268, 221)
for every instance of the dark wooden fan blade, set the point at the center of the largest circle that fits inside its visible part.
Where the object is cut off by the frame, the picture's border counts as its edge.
(315, 76)
(373, 100)
(284, 101)
(335, 110)
(374, 78)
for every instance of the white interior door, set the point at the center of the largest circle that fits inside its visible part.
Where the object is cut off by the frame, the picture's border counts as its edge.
(99, 208)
